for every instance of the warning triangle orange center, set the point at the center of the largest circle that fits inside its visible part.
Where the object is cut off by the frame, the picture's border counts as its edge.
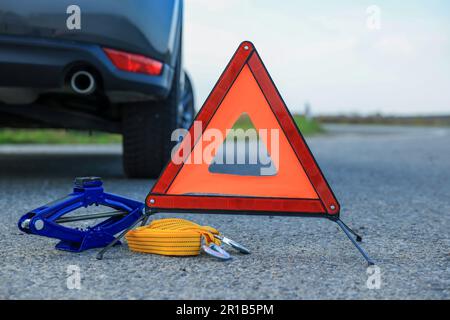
(290, 181)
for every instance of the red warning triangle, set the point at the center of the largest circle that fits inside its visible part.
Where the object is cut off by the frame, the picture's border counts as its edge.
(297, 185)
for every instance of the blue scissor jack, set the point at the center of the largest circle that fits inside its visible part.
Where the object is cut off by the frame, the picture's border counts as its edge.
(87, 191)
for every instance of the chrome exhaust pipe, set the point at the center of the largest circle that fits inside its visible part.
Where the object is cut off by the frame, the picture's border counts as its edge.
(83, 82)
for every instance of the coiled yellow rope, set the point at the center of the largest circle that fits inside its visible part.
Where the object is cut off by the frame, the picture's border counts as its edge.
(171, 237)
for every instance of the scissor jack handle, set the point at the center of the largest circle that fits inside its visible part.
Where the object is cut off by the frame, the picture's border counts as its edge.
(87, 191)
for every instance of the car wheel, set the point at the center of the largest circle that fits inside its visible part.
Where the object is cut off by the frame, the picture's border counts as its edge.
(147, 130)
(186, 107)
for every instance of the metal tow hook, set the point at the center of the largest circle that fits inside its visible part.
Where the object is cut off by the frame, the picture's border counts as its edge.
(214, 250)
(233, 244)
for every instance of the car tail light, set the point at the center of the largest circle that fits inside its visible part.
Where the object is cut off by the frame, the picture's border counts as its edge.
(134, 62)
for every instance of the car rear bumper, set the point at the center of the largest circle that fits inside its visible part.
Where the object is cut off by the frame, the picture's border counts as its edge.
(43, 66)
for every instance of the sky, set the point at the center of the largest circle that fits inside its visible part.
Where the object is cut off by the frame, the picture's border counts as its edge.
(341, 57)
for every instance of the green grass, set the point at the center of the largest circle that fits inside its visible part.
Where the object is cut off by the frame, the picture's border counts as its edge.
(60, 136)
(307, 127)
(425, 121)
(55, 136)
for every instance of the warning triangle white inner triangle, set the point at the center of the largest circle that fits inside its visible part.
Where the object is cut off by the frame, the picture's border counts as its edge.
(243, 152)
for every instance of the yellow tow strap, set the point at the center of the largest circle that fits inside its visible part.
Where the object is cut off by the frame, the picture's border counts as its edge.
(171, 237)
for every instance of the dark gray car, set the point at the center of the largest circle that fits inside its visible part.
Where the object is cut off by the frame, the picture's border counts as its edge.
(106, 65)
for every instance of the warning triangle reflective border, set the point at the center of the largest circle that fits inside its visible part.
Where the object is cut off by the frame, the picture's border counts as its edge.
(296, 191)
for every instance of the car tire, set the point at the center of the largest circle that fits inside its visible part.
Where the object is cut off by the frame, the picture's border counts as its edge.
(147, 130)
(186, 113)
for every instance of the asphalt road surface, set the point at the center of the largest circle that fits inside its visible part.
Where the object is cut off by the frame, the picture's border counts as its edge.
(393, 184)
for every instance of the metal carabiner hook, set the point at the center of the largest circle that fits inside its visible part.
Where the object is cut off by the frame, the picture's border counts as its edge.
(233, 244)
(214, 250)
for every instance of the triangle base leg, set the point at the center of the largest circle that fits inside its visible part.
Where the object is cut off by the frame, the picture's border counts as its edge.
(358, 237)
(348, 232)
